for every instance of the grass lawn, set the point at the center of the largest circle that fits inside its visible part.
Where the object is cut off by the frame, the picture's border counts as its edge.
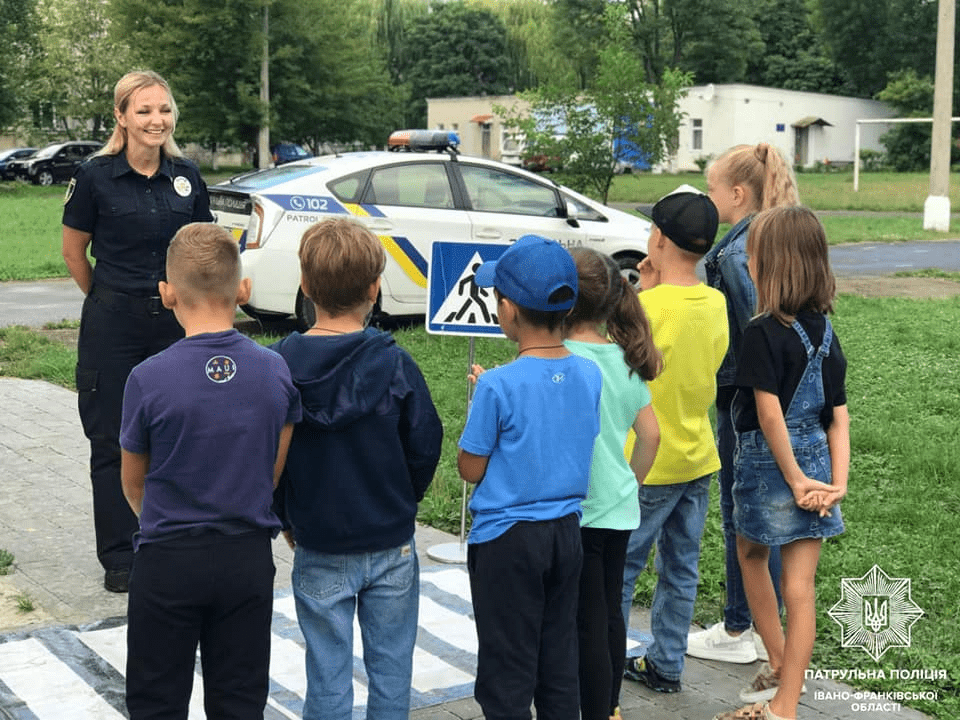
(30, 232)
(903, 391)
(902, 192)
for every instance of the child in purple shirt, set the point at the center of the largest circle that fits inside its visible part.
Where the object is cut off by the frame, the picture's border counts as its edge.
(205, 431)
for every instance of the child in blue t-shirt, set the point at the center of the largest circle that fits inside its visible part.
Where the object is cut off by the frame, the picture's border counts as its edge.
(528, 445)
(205, 431)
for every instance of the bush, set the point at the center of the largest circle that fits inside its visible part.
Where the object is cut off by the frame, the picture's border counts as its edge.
(872, 160)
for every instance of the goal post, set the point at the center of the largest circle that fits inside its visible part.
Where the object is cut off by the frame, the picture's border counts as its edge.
(877, 121)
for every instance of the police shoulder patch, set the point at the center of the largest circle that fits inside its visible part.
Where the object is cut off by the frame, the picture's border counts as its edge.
(70, 188)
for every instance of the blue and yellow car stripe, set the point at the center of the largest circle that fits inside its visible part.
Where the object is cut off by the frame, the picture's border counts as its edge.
(413, 264)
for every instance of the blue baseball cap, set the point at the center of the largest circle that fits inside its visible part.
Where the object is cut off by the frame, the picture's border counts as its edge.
(530, 271)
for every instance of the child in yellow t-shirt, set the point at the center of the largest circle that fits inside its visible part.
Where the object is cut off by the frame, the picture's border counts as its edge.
(689, 325)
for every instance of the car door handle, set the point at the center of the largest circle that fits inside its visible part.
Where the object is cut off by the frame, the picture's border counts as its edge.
(380, 225)
(488, 234)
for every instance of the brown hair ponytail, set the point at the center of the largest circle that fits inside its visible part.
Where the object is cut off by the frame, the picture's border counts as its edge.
(604, 296)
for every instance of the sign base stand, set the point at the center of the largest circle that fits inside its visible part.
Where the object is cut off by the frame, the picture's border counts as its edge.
(450, 553)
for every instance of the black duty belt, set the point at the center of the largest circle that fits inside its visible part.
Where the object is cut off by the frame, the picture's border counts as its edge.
(149, 304)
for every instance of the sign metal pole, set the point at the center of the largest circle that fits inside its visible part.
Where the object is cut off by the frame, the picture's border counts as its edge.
(456, 306)
(457, 552)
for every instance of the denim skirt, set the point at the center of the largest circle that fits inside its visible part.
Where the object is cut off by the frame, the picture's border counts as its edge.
(764, 510)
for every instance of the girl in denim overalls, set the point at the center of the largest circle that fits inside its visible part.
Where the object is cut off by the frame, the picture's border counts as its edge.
(793, 445)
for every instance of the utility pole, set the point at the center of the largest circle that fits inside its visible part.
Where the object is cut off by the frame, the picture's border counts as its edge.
(263, 137)
(936, 210)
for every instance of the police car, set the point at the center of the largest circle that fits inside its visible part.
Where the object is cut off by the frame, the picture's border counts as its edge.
(408, 200)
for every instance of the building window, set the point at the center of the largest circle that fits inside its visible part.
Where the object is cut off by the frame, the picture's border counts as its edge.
(697, 139)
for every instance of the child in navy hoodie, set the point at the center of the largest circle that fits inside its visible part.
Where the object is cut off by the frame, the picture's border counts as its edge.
(359, 463)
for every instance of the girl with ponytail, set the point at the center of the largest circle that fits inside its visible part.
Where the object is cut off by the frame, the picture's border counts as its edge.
(608, 325)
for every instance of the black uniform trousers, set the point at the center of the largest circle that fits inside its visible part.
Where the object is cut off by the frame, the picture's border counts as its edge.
(117, 332)
(525, 589)
(211, 590)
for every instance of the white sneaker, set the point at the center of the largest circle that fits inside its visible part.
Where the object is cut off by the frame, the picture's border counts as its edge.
(761, 648)
(715, 643)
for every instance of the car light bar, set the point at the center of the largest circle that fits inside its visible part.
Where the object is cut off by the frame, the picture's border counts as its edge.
(423, 140)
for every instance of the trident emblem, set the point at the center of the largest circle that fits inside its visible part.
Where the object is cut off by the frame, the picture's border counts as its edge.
(876, 613)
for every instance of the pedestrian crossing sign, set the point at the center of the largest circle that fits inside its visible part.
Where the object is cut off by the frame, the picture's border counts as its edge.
(455, 304)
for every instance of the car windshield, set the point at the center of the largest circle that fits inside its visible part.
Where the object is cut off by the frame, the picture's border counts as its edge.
(48, 151)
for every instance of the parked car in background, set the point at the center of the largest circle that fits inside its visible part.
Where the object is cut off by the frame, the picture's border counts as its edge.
(408, 200)
(8, 156)
(283, 153)
(55, 163)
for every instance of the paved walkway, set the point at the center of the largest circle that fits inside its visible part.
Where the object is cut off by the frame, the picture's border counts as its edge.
(45, 521)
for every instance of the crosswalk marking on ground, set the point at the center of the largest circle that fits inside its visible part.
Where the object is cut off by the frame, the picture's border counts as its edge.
(71, 673)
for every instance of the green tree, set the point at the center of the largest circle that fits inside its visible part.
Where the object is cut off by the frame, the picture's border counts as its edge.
(68, 80)
(713, 39)
(17, 43)
(392, 20)
(870, 39)
(208, 50)
(329, 80)
(583, 129)
(539, 48)
(908, 145)
(456, 50)
(794, 57)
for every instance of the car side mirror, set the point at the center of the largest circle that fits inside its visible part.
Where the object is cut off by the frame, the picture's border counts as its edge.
(572, 215)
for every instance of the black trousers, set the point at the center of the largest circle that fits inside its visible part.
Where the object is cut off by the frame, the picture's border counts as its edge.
(602, 631)
(117, 332)
(215, 591)
(524, 586)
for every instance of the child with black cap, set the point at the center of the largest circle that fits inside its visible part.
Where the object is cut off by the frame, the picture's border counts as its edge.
(528, 446)
(689, 325)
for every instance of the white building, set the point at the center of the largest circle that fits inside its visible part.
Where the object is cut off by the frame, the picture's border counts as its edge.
(807, 127)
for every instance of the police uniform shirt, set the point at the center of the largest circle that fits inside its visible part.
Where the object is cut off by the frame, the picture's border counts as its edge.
(133, 218)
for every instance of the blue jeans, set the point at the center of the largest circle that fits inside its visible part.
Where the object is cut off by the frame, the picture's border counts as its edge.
(673, 516)
(736, 613)
(383, 589)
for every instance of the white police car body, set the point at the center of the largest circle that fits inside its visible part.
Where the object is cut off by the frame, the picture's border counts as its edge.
(408, 200)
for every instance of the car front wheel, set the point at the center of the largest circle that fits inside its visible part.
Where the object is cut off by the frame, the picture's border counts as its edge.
(45, 177)
(628, 267)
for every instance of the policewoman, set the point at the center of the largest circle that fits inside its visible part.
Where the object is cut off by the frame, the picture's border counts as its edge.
(125, 204)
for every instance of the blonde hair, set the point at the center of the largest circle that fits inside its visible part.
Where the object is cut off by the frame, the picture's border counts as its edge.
(122, 93)
(203, 263)
(339, 261)
(789, 248)
(605, 296)
(763, 170)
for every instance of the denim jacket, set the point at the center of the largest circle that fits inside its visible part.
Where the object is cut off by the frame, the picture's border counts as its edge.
(726, 266)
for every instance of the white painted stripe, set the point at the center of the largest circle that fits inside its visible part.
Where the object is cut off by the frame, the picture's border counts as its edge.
(47, 685)
(286, 606)
(111, 645)
(454, 581)
(287, 665)
(451, 627)
(430, 672)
